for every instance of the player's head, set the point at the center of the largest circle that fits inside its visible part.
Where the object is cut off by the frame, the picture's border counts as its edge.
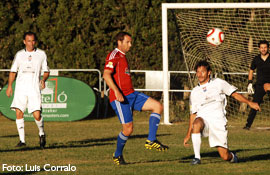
(29, 40)
(203, 71)
(124, 41)
(263, 47)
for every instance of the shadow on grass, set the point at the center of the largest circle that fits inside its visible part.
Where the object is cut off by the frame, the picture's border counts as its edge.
(79, 144)
(255, 158)
(212, 154)
(9, 136)
(56, 146)
(113, 139)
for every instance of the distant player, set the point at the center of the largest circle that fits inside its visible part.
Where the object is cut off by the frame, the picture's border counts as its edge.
(208, 102)
(262, 63)
(124, 99)
(28, 65)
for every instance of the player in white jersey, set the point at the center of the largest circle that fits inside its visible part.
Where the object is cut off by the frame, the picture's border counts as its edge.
(208, 114)
(28, 65)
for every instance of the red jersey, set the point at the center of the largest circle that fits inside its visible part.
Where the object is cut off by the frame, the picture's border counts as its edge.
(116, 61)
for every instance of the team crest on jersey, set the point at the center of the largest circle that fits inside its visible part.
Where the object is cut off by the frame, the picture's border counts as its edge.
(110, 65)
(204, 89)
(30, 58)
(127, 71)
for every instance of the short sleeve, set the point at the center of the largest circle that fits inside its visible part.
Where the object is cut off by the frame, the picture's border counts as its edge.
(111, 63)
(192, 104)
(45, 67)
(15, 64)
(227, 88)
(253, 65)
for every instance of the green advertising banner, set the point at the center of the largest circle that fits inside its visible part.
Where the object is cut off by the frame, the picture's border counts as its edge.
(63, 99)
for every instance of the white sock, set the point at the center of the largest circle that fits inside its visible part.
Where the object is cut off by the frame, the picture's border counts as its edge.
(20, 128)
(232, 157)
(196, 140)
(40, 125)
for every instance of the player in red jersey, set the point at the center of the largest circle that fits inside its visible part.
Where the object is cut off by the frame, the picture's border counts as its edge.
(124, 99)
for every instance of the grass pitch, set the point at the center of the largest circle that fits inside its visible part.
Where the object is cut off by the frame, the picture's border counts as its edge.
(88, 145)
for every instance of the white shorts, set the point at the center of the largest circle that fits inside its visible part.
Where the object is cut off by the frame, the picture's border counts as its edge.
(23, 101)
(216, 130)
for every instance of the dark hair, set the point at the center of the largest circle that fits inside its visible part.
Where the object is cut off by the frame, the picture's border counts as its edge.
(263, 42)
(120, 36)
(203, 63)
(29, 33)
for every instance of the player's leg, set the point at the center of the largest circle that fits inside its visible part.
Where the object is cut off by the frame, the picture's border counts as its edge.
(225, 154)
(198, 127)
(19, 105)
(124, 113)
(146, 103)
(34, 107)
(20, 127)
(154, 120)
(40, 124)
(257, 97)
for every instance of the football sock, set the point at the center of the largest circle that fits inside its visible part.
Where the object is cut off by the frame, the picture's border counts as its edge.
(232, 157)
(20, 128)
(121, 141)
(153, 126)
(40, 125)
(196, 142)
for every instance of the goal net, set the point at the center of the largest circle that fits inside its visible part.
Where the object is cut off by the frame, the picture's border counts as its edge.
(243, 28)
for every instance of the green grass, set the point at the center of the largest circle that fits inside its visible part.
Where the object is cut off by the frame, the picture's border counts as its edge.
(89, 146)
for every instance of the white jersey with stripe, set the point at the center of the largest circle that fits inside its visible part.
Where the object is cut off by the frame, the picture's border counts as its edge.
(28, 66)
(209, 100)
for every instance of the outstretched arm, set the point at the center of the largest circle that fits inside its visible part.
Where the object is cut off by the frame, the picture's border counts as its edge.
(243, 99)
(107, 75)
(191, 120)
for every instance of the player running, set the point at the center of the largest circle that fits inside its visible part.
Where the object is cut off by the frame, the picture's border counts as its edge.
(28, 65)
(208, 102)
(124, 99)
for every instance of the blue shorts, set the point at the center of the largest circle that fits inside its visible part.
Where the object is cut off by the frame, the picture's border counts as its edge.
(124, 110)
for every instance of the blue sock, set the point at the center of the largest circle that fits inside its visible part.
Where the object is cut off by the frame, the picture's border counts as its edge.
(153, 126)
(121, 141)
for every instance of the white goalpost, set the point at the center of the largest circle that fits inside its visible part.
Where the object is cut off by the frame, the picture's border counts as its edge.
(244, 24)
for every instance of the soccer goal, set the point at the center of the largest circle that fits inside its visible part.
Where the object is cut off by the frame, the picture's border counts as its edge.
(244, 25)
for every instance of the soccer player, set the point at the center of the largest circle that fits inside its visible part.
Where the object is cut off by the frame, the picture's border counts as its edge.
(208, 102)
(124, 99)
(262, 64)
(28, 65)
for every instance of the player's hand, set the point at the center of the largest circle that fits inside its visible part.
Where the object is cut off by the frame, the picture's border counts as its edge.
(255, 106)
(119, 96)
(42, 84)
(9, 91)
(186, 139)
(250, 89)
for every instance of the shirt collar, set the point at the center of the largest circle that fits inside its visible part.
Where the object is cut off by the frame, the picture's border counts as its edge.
(205, 83)
(120, 51)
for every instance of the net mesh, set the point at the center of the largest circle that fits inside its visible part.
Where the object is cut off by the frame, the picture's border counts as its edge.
(243, 29)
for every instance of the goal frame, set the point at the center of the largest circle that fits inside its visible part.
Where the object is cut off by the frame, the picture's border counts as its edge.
(168, 6)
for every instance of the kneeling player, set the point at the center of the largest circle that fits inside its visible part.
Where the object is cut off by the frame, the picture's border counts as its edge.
(208, 102)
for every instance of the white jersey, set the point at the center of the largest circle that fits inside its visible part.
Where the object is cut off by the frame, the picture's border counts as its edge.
(209, 100)
(28, 66)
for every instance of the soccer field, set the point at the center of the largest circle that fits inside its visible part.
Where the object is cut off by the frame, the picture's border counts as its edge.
(88, 145)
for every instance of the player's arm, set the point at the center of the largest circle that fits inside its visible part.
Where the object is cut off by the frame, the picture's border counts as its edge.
(250, 75)
(191, 120)
(11, 78)
(243, 99)
(107, 75)
(45, 77)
